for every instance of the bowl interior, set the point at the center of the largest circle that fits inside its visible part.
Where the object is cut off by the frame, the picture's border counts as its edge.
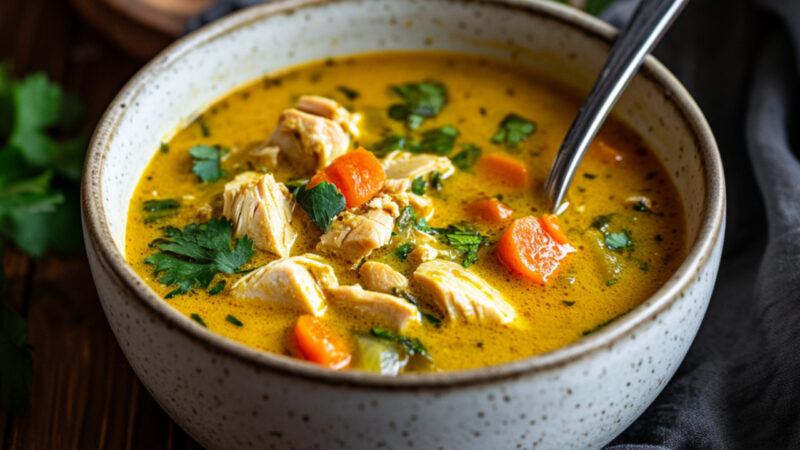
(201, 68)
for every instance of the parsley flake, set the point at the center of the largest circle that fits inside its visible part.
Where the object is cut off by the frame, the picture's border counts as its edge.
(233, 320)
(403, 250)
(438, 141)
(351, 94)
(465, 239)
(418, 185)
(197, 318)
(158, 209)
(467, 157)
(618, 241)
(412, 346)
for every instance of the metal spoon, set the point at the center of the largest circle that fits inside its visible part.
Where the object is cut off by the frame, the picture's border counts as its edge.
(649, 23)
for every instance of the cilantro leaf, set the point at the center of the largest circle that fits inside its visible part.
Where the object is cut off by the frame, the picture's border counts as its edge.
(199, 319)
(351, 94)
(233, 320)
(403, 250)
(206, 162)
(390, 143)
(193, 256)
(322, 203)
(513, 130)
(420, 101)
(158, 209)
(465, 239)
(467, 157)
(438, 141)
(16, 364)
(418, 185)
(617, 241)
(412, 346)
(406, 221)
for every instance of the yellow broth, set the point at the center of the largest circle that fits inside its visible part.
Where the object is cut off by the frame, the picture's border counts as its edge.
(581, 296)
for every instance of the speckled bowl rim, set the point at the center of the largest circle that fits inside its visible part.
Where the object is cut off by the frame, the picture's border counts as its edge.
(113, 262)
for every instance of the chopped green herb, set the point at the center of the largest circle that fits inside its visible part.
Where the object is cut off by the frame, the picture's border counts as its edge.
(438, 140)
(403, 250)
(602, 325)
(617, 241)
(465, 239)
(435, 178)
(404, 294)
(420, 101)
(217, 288)
(198, 319)
(294, 186)
(418, 185)
(612, 282)
(513, 130)
(206, 162)
(204, 129)
(390, 143)
(193, 256)
(351, 94)
(160, 208)
(322, 203)
(600, 222)
(422, 225)
(467, 157)
(412, 346)
(568, 302)
(164, 147)
(406, 220)
(589, 176)
(233, 320)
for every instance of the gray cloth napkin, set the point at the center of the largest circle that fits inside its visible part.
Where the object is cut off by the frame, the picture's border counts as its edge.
(739, 386)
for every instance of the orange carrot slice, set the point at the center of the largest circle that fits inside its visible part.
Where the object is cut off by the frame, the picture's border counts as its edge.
(504, 170)
(550, 223)
(529, 251)
(358, 175)
(318, 343)
(489, 210)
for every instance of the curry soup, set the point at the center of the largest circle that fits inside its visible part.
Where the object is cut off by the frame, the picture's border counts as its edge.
(475, 218)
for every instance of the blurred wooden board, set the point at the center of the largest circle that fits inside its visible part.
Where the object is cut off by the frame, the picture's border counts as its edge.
(140, 27)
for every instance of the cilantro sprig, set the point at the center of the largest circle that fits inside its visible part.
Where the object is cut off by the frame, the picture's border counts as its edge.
(323, 202)
(192, 257)
(464, 238)
(206, 162)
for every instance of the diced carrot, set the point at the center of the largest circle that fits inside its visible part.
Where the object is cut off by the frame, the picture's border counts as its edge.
(489, 210)
(504, 170)
(529, 251)
(358, 175)
(605, 152)
(318, 343)
(550, 223)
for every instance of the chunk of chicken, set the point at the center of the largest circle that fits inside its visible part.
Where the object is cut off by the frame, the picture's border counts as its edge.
(261, 208)
(407, 166)
(380, 277)
(330, 109)
(396, 310)
(463, 295)
(298, 281)
(354, 235)
(423, 206)
(308, 141)
(396, 185)
(264, 156)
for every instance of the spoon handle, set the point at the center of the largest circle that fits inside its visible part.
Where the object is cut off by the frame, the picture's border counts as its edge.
(650, 21)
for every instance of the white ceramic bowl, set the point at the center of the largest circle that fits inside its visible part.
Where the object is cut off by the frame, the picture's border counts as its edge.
(229, 396)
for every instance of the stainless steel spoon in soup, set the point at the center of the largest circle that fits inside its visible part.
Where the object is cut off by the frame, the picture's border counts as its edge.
(649, 23)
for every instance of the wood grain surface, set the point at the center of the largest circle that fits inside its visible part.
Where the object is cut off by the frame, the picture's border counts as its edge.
(85, 395)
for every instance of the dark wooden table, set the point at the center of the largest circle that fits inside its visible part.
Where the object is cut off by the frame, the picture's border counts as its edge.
(85, 395)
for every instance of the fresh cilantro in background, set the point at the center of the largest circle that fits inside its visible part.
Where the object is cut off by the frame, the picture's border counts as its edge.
(513, 130)
(420, 101)
(467, 157)
(193, 256)
(412, 346)
(206, 162)
(351, 94)
(418, 185)
(438, 141)
(322, 203)
(41, 158)
(464, 238)
(158, 209)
